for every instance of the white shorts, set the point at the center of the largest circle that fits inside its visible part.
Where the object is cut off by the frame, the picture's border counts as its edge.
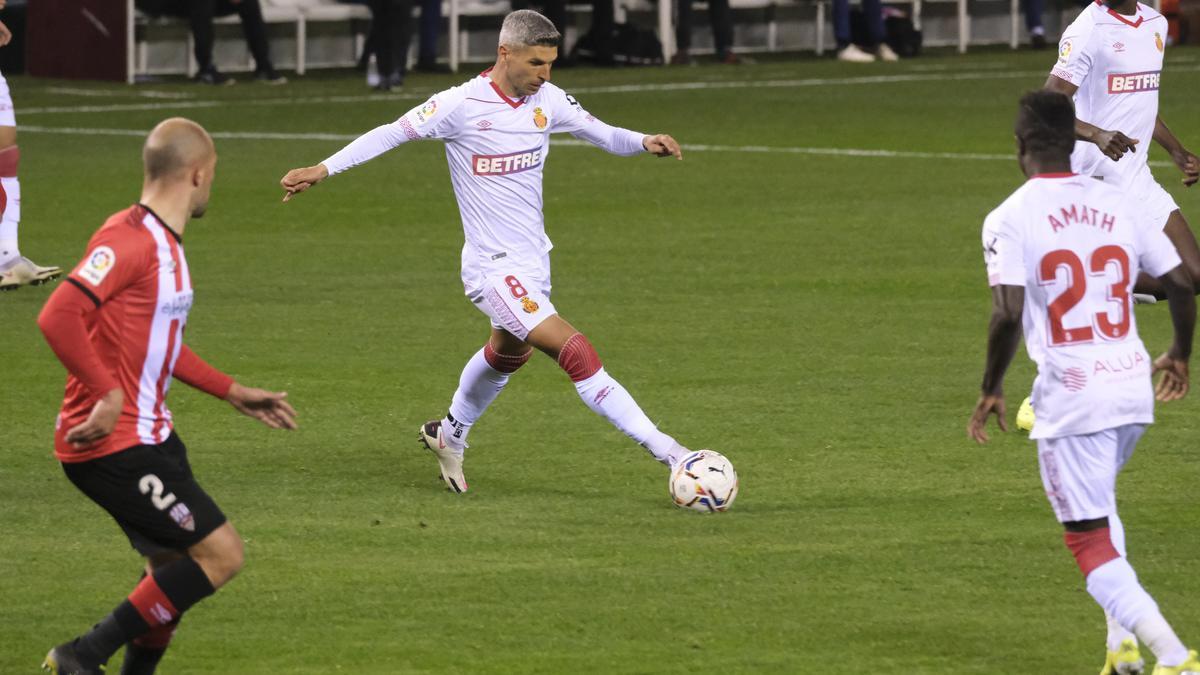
(517, 301)
(1155, 202)
(8, 118)
(1079, 473)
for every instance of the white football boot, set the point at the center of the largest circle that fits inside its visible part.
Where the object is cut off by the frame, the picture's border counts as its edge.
(450, 459)
(24, 272)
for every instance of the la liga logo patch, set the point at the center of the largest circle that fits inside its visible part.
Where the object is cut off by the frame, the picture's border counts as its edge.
(99, 263)
(1064, 51)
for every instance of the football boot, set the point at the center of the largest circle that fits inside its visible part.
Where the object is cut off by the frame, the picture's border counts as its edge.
(450, 459)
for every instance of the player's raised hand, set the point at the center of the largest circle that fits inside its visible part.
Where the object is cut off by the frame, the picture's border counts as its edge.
(1174, 383)
(299, 180)
(1115, 144)
(5, 33)
(662, 145)
(988, 405)
(269, 407)
(101, 421)
(1189, 164)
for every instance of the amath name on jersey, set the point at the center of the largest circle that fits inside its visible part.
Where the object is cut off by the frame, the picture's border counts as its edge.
(1130, 83)
(1083, 215)
(501, 165)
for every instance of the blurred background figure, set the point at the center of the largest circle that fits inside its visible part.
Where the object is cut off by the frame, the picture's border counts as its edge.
(200, 14)
(430, 26)
(874, 45)
(391, 31)
(722, 27)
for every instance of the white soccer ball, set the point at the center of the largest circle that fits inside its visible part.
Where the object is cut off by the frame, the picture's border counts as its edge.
(704, 481)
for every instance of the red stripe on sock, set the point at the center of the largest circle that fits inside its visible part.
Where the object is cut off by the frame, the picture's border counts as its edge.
(152, 604)
(9, 158)
(504, 363)
(579, 358)
(1091, 549)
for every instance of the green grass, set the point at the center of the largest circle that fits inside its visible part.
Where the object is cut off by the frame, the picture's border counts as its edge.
(820, 319)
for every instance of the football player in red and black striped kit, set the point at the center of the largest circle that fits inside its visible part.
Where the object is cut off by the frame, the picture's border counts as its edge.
(117, 324)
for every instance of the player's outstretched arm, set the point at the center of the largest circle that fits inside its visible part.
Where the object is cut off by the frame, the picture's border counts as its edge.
(1113, 144)
(269, 407)
(1187, 162)
(1004, 335)
(662, 145)
(299, 180)
(1173, 365)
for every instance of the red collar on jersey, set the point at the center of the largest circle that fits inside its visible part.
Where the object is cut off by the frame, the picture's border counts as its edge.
(501, 94)
(1121, 17)
(1061, 174)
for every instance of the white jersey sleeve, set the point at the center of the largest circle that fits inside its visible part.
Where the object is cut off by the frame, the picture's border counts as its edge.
(1075, 52)
(1003, 250)
(570, 117)
(1156, 254)
(439, 117)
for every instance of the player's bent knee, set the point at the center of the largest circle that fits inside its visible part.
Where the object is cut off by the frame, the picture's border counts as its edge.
(1091, 548)
(504, 363)
(221, 555)
(579, 358)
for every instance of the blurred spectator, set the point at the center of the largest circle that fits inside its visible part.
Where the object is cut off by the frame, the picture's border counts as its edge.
(722, 27)
(430, 28)
(391, 28)
(1033, 23)
(875, 46)
(200, 14)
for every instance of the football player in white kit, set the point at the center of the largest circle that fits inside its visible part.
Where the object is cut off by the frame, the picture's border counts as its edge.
(1062, 253)
(15, 269)
(496, 129)
(1110, 60)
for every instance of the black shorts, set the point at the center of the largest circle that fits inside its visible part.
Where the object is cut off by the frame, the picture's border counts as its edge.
(151, 493)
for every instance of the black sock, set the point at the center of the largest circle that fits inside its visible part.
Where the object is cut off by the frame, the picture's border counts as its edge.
(183, 582)
(114, 630)
(141, 660)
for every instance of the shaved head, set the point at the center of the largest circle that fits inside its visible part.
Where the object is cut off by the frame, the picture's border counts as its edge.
(174, 148)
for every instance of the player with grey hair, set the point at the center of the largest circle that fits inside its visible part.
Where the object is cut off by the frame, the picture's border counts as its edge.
(497, 131)
(527, 28)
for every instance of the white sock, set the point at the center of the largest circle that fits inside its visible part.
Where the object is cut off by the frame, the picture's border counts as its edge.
(9, 250)
(1116, 632)
(606, 397)
(1115, 586)
(478, 386)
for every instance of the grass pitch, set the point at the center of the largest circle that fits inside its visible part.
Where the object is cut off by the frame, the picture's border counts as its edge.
(816, 314)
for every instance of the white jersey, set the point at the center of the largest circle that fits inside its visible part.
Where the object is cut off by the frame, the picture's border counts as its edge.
(1076, 246)
(1116, 61)
(496, 148)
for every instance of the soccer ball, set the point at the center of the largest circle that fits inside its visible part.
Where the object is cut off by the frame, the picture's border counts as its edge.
(704, 481)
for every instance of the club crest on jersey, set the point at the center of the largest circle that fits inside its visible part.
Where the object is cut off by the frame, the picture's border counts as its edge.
(1132, 83)
(1158, 42)
(502, 165)
(539, 118)
(529, 305)
(426, 112)
(99, 263)
(183, 517)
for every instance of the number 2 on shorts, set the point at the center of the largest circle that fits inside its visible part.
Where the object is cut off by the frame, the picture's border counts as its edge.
(153, 486)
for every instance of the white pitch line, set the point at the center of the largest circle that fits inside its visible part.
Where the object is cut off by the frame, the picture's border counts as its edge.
(570, 143)
(115, 93)
(417, 95)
